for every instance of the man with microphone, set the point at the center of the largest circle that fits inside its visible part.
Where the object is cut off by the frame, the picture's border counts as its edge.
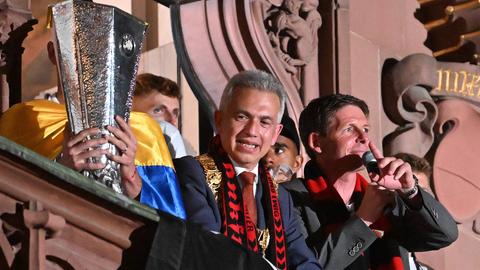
(353, 223)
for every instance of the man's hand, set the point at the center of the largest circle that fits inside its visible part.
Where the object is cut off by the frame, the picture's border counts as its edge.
(396, 174)
(374, 203)
(125, 141)
(78, 149)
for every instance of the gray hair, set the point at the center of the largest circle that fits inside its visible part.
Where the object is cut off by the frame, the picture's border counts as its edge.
(258, 79)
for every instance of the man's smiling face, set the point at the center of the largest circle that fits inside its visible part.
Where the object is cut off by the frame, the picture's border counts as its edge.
(248, 125)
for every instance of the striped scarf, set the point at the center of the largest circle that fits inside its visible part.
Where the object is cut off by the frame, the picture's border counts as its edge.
(235, 225)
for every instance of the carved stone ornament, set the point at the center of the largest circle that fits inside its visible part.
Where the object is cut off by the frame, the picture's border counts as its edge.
(292, 27)
(409, 90)
(12, 15)
(23, 235)
(217, 39)
(436, 106)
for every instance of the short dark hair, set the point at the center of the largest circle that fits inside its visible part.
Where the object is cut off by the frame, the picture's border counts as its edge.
(417, 163)
(289, 130)
(317, 116)
(146, 83)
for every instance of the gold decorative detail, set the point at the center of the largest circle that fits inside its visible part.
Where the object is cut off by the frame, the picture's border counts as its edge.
(470, 35)
(275, 184)
(450, 11)
(437, 23)
(263, 239)
(463, 38)
(423, 2)
(49, 17)
(459, 7)
(213, 176)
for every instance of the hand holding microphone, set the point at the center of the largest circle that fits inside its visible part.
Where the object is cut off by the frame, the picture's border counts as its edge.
(389, 172)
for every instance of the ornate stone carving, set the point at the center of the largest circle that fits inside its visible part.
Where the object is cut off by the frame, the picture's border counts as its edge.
(77, 223)
(278, 36)
(7, 250)
(292, 27)
(407, 102)
(476, 225)
(15, 23)
(410, 89)
(455, 159)
(12, 15)
(436, 106)
(23, 235)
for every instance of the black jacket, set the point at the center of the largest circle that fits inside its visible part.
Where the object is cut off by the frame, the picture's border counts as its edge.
(429, 228)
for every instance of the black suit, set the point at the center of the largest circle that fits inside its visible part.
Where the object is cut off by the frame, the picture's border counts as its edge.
(429, 228)
(203, 210)
(180, 245)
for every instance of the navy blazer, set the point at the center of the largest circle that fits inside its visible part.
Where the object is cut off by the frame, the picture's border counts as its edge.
(202, 209)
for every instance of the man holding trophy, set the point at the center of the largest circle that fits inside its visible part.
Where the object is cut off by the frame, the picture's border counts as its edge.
(76, 153)
(96, 50)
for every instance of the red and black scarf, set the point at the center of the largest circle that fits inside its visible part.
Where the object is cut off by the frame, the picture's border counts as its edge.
(234, 223)
(383, 254)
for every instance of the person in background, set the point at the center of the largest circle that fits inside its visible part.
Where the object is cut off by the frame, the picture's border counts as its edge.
(283, 159)
(160, 98)
(228, 191)
(353, 223)
(157, 96)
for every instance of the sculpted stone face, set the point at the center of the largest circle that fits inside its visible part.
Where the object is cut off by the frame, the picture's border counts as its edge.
(248, 126)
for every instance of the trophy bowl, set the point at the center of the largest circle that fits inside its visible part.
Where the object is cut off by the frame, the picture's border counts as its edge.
(98, 49)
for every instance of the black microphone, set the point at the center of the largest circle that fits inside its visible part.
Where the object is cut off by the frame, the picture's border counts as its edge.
(370, 163)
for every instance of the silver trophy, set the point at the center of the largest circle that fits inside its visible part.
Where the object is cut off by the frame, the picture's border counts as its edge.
(98, 49)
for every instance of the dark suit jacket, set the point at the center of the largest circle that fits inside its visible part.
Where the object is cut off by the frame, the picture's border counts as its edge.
(429, 228)
(202, 209)
(180, 245)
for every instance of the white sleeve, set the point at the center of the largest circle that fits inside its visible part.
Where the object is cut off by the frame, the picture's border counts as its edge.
(174, 139)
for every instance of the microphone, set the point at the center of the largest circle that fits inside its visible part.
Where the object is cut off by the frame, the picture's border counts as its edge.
(370, 163)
